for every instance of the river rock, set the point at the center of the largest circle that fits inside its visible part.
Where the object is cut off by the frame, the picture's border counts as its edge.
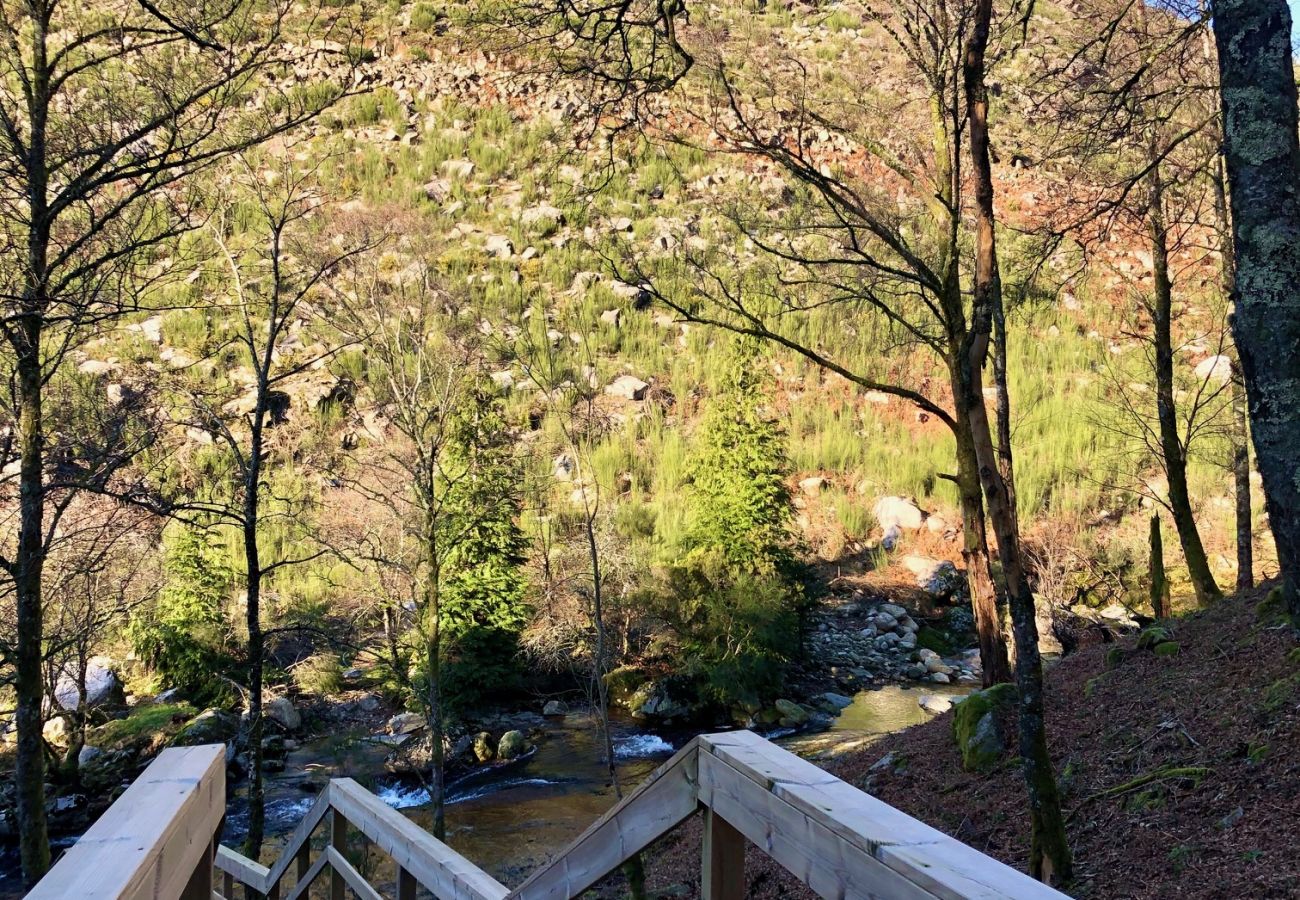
(937, 577)
(406, 723)
(103, 686)
(55, 731)
(89, 755)
(281, 711)
(554, 708)
(484, 752)
(839, 701)
(934, 704)
(512, 745)
(212, 726)
(792, 714)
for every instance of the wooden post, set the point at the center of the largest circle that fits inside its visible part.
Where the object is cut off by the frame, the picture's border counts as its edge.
(405, 885)
(724, 860)
(303, 858)
(199, 887)
(339, 841)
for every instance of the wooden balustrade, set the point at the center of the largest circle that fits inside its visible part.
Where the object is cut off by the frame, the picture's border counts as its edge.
(156, 841)
(840, 842)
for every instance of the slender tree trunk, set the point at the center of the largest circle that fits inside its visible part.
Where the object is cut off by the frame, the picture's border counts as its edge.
(1172, 448)
(1156, 569)
(29, 763)
(1239, 433)
(1050, 859)
(29, 563)
(994, 658)
(433, 666)
(1262, 151)
(253, 619)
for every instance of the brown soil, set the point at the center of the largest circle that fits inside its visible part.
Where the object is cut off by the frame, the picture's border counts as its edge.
(1228, 701)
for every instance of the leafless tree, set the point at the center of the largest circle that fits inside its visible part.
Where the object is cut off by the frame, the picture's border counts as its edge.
(107, 110)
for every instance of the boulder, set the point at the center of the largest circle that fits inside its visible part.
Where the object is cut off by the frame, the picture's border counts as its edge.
(839, 701)
(934, 704)
(55, 731)
(813, 486)
(1216, 369)
(901, 512)
(89, 755)
(457, 168)
(406, 723)
(629, 387)
(281, 711)
(103, 686)
(542, 218)
(792, 714)
(976, 729)
(937, 577)
(483, 750)
(612, 317)
(554, 708)
(512, 745)
(212, 726)
(500, 246)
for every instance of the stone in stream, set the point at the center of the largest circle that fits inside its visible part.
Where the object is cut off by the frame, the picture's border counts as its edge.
(554, 708)
(934, 704)
(792, 714)
(512, 745)
(406, 723)
(484, 752)
(280, 710)
(838, 701)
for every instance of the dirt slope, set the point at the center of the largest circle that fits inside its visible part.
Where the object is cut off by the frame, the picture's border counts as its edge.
(1228, 702)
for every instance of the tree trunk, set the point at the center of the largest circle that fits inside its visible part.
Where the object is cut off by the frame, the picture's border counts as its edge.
(433, 667)
(1239, 432)
(253, 619)
(1262, 151)
(1172, 449)
(29, 762)
(1049, 858)
(1156, 568)
(994, 658)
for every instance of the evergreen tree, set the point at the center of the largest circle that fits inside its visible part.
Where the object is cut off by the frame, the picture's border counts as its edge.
(740, 505)
(483, 602)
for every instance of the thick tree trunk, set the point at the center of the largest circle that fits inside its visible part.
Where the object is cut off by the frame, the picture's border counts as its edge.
(1172, 449)
(1262, 151)
(1050, 858)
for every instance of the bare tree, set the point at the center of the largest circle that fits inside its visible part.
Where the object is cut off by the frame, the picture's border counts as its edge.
(274, 284)
(106, 111)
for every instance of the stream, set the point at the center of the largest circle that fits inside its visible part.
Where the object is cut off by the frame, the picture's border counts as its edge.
(510, 819)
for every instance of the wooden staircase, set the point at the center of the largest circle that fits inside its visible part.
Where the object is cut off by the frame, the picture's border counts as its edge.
(159, 840)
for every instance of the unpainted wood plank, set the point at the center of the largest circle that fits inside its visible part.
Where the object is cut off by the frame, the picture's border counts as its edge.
(763, 761)
(653, 809)
(723, 860)
(199, 886)
(435, 865)
(406, 885)
(308, 879)
(955, 871)
(149, 842)
(299, 838)
(339, 844)
(814, 854)
(339, 863)
(242, 869)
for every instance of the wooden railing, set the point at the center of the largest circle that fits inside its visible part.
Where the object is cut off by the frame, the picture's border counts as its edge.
(840, 842)
(156, 841)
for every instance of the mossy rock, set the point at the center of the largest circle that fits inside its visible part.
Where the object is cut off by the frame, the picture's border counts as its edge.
(1166, 649)
(623, 683)
(928, 638)
(1114, 657)
(1272, 609)
(1153, 636)
(976, 728)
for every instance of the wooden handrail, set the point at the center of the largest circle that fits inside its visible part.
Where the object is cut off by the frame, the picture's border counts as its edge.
(156, 840)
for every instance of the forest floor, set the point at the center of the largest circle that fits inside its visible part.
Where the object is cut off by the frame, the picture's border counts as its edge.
(1228, 703)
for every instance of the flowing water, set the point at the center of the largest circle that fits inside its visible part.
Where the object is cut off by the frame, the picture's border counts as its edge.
(511, 819)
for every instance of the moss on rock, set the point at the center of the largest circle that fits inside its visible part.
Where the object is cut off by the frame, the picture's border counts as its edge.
(1166, 649)
(976, 730)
